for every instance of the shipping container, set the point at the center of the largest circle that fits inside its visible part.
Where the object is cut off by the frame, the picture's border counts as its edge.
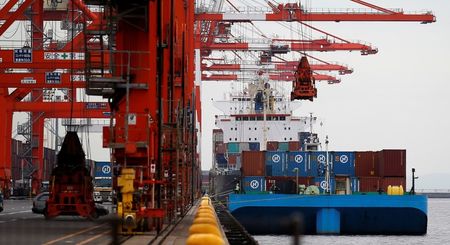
(393, 181)
(369, 184)
(297, 159)
(343, 163)
(269, 170)
(392, 163)
(254, 146)
(283, 146)
(272, 146)
(220, 148)
(232, 158)
(304, 137)
(345, 185)
(366, 164)
(233, 147)
(294, 146)
(286, 185)
(322, 184)
(254, 184)
(244, 146)
(253, 163)
(278, 162)
(317, 163)
(221, 160)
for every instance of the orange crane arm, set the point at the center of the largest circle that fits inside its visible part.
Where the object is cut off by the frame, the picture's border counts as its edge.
(282, 66)
(322, 45)
(277, 77)
(293, 12)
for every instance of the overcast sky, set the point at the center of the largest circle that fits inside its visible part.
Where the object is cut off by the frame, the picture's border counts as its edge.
(398, 98)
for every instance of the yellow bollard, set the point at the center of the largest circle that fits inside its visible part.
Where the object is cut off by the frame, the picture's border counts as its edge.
(206, 207)
(204, 239)
(205, 203)
(205, 215)
(205, 220)
(205, 229)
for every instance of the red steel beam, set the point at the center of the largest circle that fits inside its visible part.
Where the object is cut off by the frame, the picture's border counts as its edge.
(321, 45)
(63, 109)
(14, 15)
(282, 66)
(5, 10)
(18, 80)
(293, 12)
(278, 77)
(41, 60)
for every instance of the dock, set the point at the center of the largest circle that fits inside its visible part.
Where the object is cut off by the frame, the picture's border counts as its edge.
(232, 232)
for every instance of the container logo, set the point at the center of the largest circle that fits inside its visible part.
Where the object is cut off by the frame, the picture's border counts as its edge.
(321, 158)
(343, 159)
(106, 169)
(298, 158)
(276, 158)
(254, 184)
(324, 185)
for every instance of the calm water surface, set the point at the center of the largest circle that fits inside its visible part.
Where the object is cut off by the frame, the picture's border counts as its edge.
(438, 232)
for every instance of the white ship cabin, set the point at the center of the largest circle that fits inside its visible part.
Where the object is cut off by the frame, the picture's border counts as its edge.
(252, 119)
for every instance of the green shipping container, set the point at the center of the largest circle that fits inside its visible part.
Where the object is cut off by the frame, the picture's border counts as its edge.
(233, 147)
(283, 146)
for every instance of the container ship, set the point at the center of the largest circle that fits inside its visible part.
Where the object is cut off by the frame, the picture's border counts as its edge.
(270, 164)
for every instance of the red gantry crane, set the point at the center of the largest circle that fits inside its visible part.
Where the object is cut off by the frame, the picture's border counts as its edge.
(139, 55)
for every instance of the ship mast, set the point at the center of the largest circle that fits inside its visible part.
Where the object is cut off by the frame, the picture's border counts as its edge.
(327, 173)
(263, 147)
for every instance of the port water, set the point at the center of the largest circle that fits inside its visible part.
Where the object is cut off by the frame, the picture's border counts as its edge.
(438, 232)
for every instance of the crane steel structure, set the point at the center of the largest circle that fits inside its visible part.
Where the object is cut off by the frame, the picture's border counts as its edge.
(141, 56)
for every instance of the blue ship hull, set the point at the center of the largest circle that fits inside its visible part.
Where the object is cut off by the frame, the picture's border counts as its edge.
(333, 214)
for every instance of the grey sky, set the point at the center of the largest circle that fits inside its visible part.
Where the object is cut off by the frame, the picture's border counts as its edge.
(397, 98)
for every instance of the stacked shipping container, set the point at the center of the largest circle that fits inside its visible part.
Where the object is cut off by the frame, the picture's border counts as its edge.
(283, 163)
(377, 170)
(350, 171)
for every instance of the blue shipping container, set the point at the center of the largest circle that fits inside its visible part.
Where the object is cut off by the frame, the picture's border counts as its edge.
(317, 163)
(254, 184)
(297, 159)
(269, 170)
(103, 182)
(322, 184)
(233, 148)
(278, 162)
(343, 163)
(103, 169)
(221, 160)
(254, 146)
(283, 146)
